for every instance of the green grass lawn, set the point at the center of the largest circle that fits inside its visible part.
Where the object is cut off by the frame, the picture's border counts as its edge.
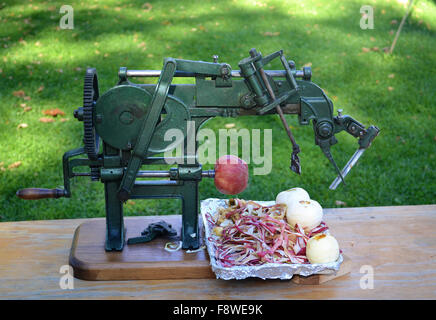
(42, 67)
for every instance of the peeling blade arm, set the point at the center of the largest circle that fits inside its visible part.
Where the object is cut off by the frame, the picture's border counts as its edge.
(350, 164)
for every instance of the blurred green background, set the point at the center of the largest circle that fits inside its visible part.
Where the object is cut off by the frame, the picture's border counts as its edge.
(42, 67)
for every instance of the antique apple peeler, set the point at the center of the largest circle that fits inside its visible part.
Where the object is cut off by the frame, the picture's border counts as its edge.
(131, 119)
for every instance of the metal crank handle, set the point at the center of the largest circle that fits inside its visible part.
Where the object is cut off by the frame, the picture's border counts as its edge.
(350, 164)
(39, 193)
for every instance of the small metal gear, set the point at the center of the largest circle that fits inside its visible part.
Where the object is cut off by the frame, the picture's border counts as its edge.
(90, 96)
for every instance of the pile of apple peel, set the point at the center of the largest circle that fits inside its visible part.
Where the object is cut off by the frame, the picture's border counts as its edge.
(291, 231)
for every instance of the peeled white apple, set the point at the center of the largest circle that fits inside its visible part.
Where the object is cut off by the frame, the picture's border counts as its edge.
(289, 196)
(322, 248)
(307, 213)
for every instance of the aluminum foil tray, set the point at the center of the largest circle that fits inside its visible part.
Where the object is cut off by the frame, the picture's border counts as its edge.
(264, 271)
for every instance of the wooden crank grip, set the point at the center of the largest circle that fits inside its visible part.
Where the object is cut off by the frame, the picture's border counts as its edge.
(39, 193)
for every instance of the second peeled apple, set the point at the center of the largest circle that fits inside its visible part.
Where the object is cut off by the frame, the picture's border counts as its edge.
(301, 210)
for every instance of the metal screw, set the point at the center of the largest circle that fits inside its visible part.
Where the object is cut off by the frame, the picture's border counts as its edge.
(340, 112)
(215, 58)
(246, 100)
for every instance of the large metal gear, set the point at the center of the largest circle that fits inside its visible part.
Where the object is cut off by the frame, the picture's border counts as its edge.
(90, 96)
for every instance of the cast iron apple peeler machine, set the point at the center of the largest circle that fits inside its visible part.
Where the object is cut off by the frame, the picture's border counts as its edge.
(131, 119)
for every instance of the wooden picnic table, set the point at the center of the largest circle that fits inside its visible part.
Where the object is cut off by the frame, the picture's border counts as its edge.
(398, 243)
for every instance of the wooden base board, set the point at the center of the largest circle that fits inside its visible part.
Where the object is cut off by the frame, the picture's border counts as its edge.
(145, 261)
(149, 261)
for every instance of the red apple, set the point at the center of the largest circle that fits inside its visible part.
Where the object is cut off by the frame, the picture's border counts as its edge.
(231, 175)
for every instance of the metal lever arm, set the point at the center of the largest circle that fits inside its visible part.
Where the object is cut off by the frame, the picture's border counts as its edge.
(295, 160)
(147, 129)
(258, 63)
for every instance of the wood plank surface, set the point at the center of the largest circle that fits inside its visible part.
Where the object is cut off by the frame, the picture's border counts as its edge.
(398, 243)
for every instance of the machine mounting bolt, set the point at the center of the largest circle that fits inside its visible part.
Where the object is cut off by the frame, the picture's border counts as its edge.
(325, 129)
(126, 117)
(247, 101)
